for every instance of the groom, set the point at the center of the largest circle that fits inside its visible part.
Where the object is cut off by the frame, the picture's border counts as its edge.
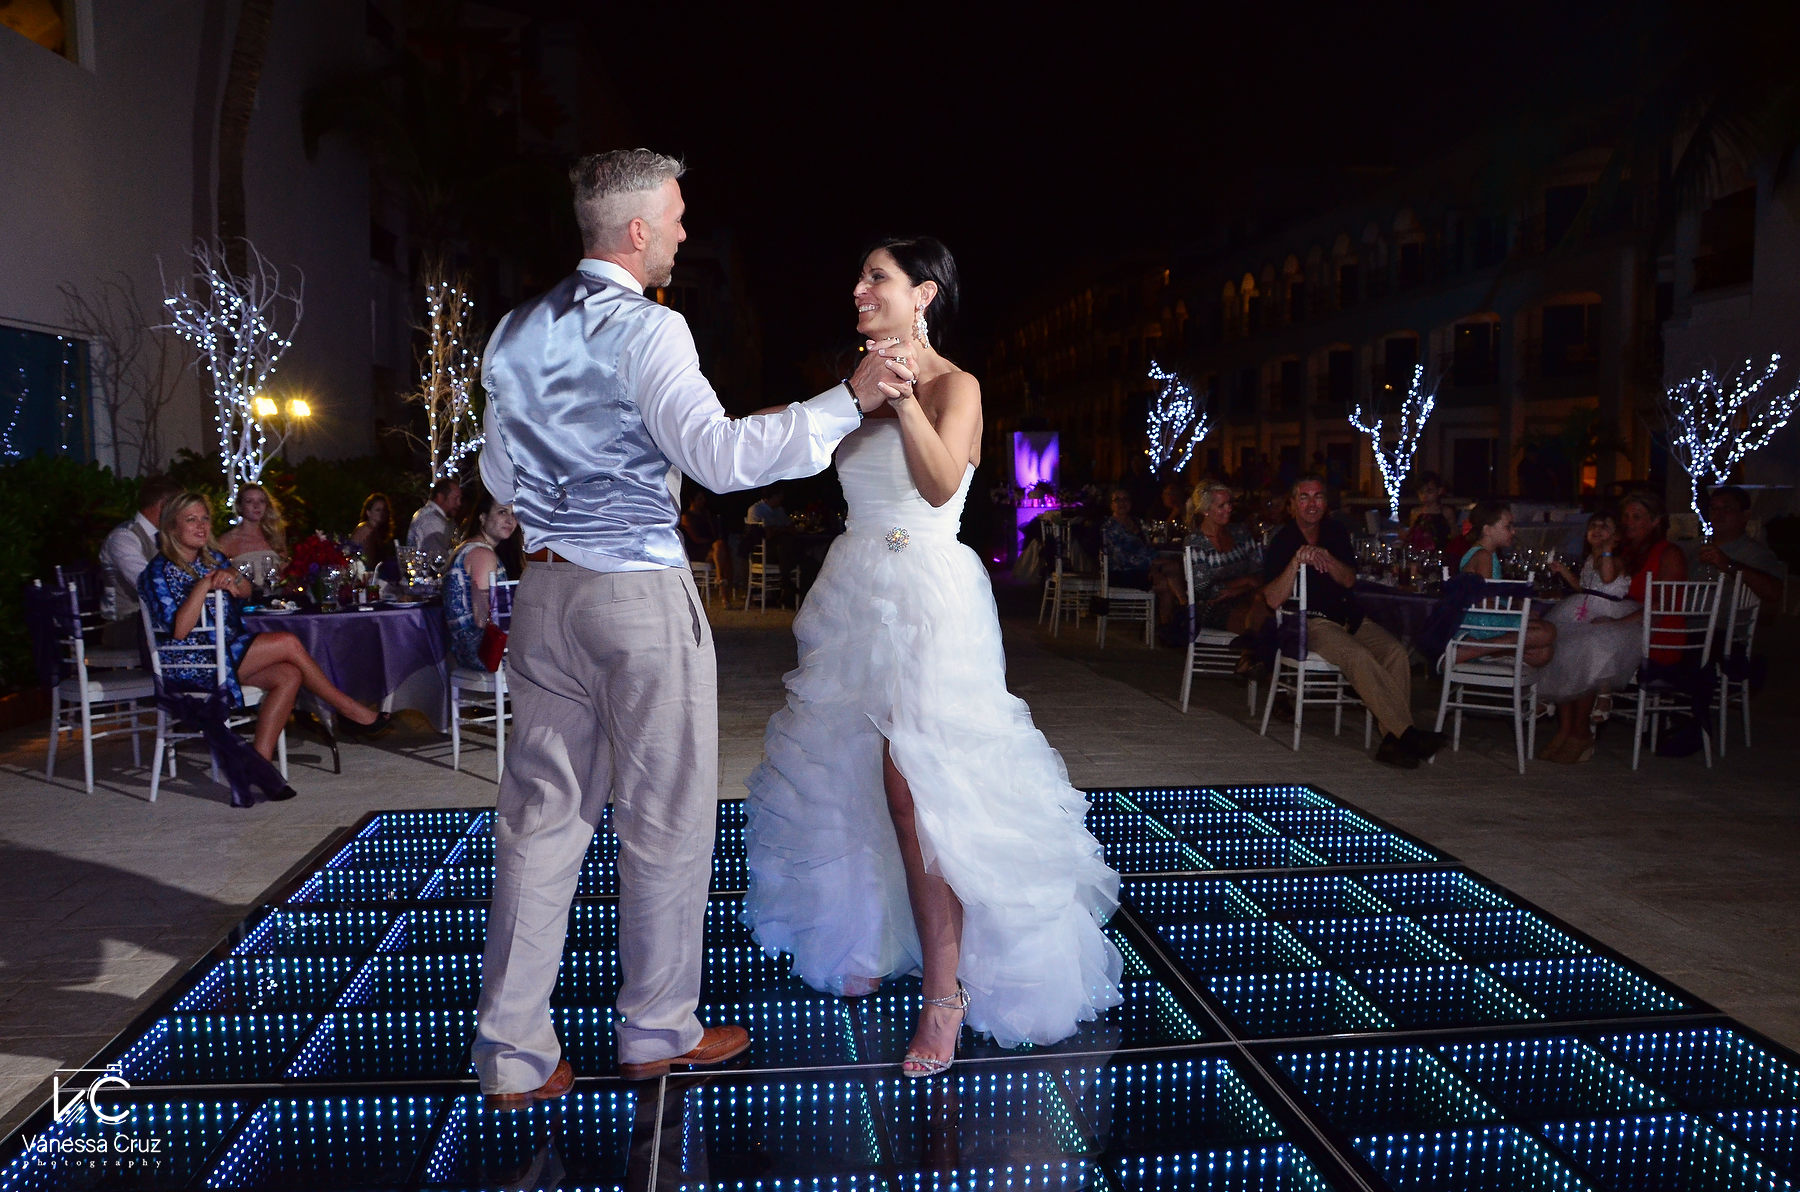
(596, 405)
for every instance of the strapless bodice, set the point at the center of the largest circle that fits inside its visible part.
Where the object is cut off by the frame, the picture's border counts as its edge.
(871, 464)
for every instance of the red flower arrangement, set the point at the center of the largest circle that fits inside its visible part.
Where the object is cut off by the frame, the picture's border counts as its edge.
(313, 555)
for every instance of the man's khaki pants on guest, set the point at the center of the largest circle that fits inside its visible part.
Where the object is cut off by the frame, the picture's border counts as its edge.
(1376, 664)
(614, 691)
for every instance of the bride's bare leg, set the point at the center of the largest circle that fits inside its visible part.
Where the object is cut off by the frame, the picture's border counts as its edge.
(938, 916)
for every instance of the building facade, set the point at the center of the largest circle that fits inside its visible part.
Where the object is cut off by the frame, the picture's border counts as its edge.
(1542, 338)
(111, 144)
(1735, 298)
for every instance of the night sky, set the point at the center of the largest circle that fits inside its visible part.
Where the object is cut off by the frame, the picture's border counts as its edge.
(1038, 146)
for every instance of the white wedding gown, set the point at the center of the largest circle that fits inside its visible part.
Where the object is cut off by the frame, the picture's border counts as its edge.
(899, 641)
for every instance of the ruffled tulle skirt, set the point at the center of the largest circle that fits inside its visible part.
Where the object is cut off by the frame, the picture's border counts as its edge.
(903, 647)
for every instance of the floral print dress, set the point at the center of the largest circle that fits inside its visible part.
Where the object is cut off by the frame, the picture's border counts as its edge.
(163, 587)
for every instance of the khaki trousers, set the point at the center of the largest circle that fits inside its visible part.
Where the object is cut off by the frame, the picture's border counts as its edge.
(1376, 664)
(614, 690)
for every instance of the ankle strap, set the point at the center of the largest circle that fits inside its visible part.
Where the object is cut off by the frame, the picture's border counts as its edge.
(955, 1001)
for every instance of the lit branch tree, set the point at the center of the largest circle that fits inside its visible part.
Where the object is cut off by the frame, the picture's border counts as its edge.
(1711, 427)
(239, 324)
(1395, 458)
(448, 372)
(132, 360)
(1176, 423)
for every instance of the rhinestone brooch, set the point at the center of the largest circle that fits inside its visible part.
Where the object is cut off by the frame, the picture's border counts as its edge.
(898, 538)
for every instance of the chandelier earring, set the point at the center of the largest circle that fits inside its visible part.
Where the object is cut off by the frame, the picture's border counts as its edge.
(920, 329)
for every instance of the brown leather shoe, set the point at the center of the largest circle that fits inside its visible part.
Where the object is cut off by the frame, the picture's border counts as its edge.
(717, 1044)
(560, 1082)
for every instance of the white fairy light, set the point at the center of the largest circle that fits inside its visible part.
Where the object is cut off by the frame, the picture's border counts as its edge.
(8, 449)
(1176, 422)
(447, 374)
(1395, 459)
(65, 422)
(240, 326)
(1710, 428)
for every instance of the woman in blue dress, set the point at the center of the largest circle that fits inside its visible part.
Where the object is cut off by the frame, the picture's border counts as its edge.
(468, 579)
(175, 587)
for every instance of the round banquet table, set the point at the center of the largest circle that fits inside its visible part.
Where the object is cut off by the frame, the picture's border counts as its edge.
(390, 657)
(1401, 612)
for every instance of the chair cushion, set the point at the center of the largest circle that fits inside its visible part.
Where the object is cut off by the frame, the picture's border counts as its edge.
(110, 684)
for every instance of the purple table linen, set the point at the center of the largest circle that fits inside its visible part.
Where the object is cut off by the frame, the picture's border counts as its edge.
(1402, 614)
(367, 654)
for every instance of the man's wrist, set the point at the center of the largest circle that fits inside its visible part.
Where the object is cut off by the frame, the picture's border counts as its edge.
(854, 400)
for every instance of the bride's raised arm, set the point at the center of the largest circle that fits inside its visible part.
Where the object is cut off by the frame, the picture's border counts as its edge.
(937, 456)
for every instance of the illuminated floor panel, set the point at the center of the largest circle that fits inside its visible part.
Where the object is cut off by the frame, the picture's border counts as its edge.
(1312, 1000)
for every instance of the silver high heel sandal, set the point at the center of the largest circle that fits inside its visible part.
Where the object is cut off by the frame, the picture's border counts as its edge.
(916, 1065)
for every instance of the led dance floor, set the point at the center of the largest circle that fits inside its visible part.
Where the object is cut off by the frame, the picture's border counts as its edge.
(1313, 1001)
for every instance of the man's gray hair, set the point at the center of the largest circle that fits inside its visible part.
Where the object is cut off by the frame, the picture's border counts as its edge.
(611, 190)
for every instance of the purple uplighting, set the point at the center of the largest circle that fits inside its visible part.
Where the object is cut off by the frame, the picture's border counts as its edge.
(1036, 459)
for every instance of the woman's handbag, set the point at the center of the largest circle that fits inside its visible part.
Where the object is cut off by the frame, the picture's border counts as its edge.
(492, 650)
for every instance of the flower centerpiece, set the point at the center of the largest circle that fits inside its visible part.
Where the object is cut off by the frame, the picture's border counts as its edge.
(318, 565)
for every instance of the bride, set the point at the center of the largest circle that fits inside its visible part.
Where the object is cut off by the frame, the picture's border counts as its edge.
(908, 816)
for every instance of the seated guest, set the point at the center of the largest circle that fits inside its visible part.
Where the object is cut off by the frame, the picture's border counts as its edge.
(1228, 566)
(258, 543)
(1133, 563)
(1430, 524)
(705, 539)
(176, 586)
(1128, 556)
(469, 578)
(1732, 551)
(127, 550)
(1597, 656)
(1601, 593)
(1174, 504)
(1492, 522)
(1375, 664)
(374, 534)
(768, 513)
(433, 526)
(1600, 589)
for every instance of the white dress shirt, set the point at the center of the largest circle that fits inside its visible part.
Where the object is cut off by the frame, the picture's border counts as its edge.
(683, 415)
(123, 558)
(429, 530)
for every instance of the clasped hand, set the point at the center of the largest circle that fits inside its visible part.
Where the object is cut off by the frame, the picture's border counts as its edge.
(1314, 556)
(224, 578)
(883, 375)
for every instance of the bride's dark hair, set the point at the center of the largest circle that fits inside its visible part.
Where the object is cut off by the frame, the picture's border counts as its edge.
(923, 259)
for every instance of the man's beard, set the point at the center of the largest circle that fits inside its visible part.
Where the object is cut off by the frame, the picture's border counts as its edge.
(663, 268)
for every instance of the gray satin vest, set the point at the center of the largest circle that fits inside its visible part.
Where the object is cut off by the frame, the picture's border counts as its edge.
(589, 475)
